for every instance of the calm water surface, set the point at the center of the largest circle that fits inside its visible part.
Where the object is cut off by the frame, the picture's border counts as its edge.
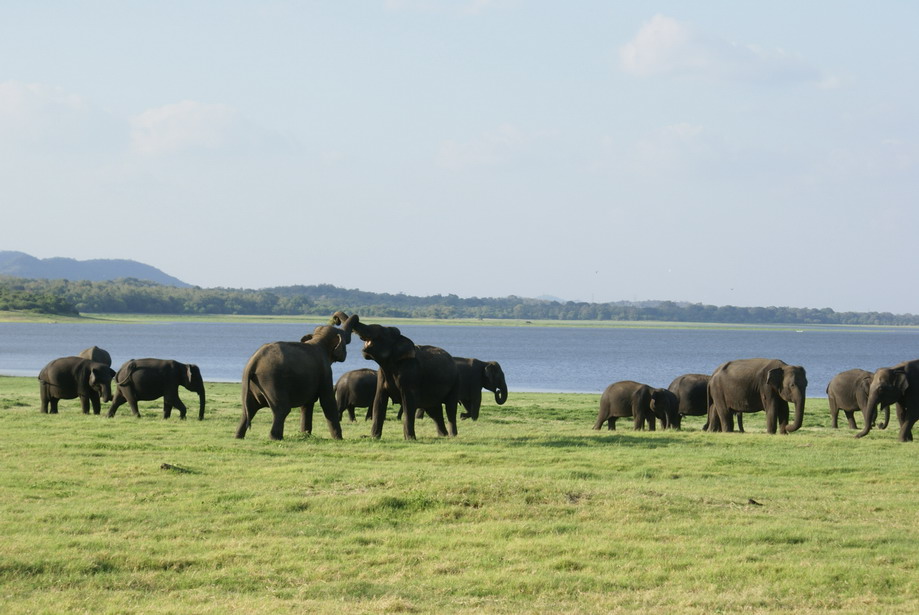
(535, 359)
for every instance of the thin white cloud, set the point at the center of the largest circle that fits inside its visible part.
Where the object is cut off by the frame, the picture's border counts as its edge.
(187, 125)
(667, 47)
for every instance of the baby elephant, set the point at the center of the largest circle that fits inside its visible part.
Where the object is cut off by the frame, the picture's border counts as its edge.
(640, 401)
(72, 377)
(149, 379)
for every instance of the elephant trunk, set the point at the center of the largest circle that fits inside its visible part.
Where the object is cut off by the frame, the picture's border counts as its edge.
(886, 422)
(500, 395)
(799, 413)
(201, 404)
(870, 412)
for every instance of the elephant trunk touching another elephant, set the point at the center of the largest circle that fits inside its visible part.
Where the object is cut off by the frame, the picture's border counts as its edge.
(419, 376)
(283, 375)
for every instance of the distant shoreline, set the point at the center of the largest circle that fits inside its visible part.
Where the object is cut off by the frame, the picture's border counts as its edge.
(28, 317)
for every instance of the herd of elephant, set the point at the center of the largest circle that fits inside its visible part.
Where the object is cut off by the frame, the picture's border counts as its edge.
(428, 380)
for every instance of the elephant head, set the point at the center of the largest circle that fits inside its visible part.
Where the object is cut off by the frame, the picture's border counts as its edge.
(381, 344)
(664, 405)
(790, 383)
(334, 339)
(193, 381)
(888, 386)
(494, 381)
(100, 380)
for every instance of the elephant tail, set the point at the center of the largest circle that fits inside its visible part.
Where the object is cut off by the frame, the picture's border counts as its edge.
(125, 373)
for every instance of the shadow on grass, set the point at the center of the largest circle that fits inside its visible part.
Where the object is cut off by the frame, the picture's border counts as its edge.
(613, 439)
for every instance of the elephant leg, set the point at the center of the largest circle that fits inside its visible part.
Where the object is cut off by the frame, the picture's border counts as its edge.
(450, 407)
(601, 418)
(116, 403)
(306, 418)
(96, 402)
(84, 403)
(327, 403)
(167, 408)
(611, 423)
(369, 413)
(178, 403)
(771, 422)
(379, 414)
(419, 413)
(437, 414)
(244, 422)
(351, 415)
(850, 416)
(277, 424)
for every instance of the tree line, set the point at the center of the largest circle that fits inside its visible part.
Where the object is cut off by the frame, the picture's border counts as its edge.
(131, 296)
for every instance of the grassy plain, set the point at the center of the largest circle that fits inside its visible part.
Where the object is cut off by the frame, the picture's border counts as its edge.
(527, 511)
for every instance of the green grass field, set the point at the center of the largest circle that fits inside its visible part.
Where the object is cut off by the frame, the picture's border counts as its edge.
(527, 511)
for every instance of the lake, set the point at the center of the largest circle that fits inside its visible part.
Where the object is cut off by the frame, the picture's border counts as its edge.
(534, 358)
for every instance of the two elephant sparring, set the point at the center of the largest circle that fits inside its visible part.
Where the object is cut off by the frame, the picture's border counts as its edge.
(284, 375)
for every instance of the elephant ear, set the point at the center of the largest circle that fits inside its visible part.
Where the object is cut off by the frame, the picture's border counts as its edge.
(306, 338)
(775, 377)
(404, 348)
(900, 380)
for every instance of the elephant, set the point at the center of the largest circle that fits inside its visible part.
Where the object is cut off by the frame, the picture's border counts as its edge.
(754, 385)
(283, 375)
(355, 389)
(149, 379)
(419, 376)
(848, 391)
(640, 401)
(94, 353)
(72, 377)
(691, 391)
(475, 375)
(895, 385)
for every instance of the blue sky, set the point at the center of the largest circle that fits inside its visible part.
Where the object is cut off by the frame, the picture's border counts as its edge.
(716, 152)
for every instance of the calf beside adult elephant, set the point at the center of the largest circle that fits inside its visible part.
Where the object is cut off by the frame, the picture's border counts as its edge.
(848, 391)
(72, 377)
(149, 379)
(643, 403)
(691, 391)
(757, 385)
(419, 376)
(284, 375)
(895, 385)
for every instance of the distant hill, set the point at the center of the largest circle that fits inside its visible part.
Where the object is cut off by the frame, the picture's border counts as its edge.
(22, 265)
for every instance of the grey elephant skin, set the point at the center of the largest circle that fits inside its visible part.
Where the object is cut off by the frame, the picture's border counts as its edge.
(848, 391)
(757, 385)
(691, 391)
(419, 376)
(150, 379)
(895, 385)
(72, 377)
(475, 375)
(355, 389)
(99, 355)
(645, 404)
(285, 375)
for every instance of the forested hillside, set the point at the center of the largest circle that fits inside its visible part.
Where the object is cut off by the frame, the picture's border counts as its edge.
(131, 296)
